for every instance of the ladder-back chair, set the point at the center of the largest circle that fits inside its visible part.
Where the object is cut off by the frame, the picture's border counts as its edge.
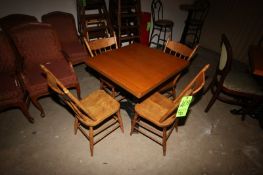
(181, 51)
(99, 46)
(156, 115)
(97, 112)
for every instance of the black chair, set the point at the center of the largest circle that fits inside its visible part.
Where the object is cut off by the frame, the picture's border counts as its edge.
(197, 14)
(234, 85)
(160, 25)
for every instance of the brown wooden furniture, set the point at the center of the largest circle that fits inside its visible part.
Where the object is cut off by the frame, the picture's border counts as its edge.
(65, 26)
(93, 19)
(38, 43)
(125, 18)
(180, 51)
(12, 92)
(234, 86)
(137, 68)
(161, 112)
(100, 46)
(161, 26)
(256, 59)
(90, 112)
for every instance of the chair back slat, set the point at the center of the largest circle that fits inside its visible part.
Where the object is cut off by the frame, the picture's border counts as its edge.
(180, 50)
(191, 89)
(67, 96)
(100, 46)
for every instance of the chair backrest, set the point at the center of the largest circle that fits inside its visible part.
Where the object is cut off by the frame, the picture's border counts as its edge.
(36, 43)
(12, 20)
(157, 10)
(66, 96)
(190, 90)
(180, 50)
(64, 24)
(201, 8)
(225, 61)
(99, 46)
(8, 59)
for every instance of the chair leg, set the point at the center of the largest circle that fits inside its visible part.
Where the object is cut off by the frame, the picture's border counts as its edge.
(133, 122)
(23, 107)
(120, 121)
(176, 124)
(38, 106)
(164, 141)
(91, 140)
(213, 99)
(78, 91)
(76, 125)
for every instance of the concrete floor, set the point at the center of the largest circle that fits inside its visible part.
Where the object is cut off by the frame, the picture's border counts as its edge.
(208, 143)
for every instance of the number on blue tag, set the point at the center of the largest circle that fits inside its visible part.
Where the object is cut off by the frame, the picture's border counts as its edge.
(184, 106)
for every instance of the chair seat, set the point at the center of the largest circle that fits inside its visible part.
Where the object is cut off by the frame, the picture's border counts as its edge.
(36, 82)
(154, 108)
(164, 23)
(10, 89)
(75, 51)
(242, 82)
(100, 105)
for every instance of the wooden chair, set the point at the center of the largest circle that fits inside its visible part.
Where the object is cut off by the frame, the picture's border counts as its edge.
(159, 113)
(91, 112)
(233, 85)
(37, 43)
(71, 42)
(96, 47)
(12, 92)
(181, 51)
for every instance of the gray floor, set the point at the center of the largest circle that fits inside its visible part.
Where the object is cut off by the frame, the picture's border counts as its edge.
(208, 143)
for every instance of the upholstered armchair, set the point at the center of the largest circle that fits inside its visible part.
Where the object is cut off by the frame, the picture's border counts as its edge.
(38, 43)
(12, 20)
(65, 26)
(12, 93)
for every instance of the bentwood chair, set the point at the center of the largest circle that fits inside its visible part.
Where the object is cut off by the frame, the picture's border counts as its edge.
(161, 26)
(96, 112)
(65, 26)
(179, 50)
(37, 43)
(233, 85)
(12, 92)
(99, 46)
(157, 114)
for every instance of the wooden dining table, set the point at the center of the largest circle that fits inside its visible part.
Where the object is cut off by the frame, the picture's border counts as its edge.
(255, 54)
(136, 68)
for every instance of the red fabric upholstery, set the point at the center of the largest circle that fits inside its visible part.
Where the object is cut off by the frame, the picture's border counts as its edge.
(12, 20)
(38, 43)
(64, 24)
(12, 94)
